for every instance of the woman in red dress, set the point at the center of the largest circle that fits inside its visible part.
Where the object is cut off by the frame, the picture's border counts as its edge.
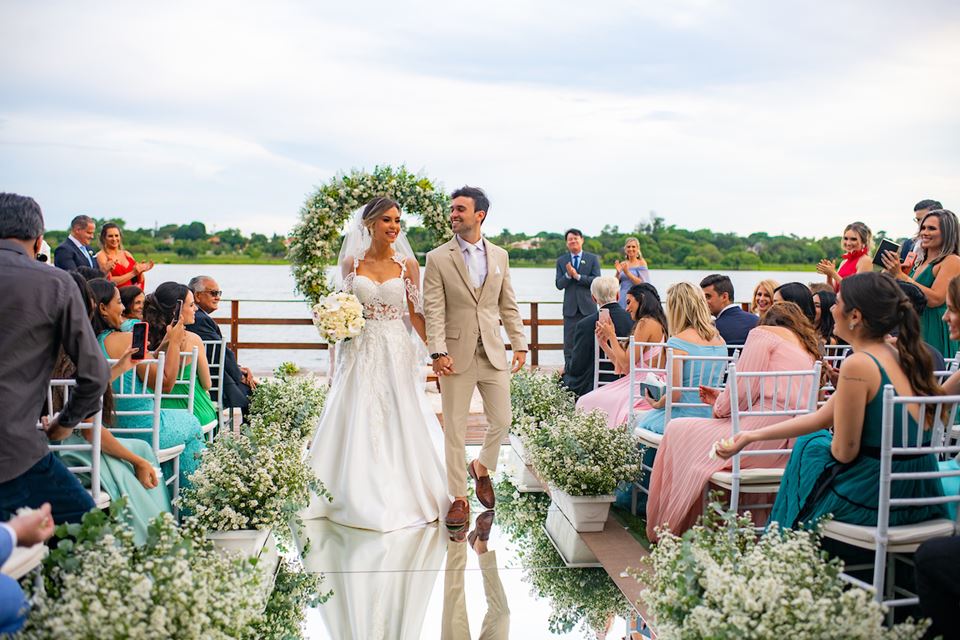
(857, 243)
(116, 262)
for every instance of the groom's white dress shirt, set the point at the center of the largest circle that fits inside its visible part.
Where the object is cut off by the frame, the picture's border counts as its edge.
(475, 257)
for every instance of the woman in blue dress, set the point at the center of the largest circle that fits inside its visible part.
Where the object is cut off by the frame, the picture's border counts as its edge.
(176, 426)
(839, 473)
(692, 333)
(632, 271)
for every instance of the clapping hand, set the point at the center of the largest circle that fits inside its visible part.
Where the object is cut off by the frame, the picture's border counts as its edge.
(619, 266)
(571, 271)
(891, 262)
(825, 267)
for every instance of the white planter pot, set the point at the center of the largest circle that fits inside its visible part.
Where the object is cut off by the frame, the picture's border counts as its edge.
(250, 543)
(568, 543)
(524, 478)
(517, 445)
(585, 513)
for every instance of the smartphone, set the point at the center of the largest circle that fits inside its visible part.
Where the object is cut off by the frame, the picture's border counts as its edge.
(176, 312)
(140, 340)
(605, 316)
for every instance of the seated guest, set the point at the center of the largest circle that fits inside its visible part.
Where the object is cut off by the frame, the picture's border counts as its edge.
(650, 325)
(823, 301)
(691, 333)
(784, 341)
(118, 263)
(75, 250)
(857, 243)
(762, 297)
(579, 375)
(41, 311)
(176, 426)
(158, 310)
(799, 294)
(732, 322)
(838, 473)
(937, 564)
(816, 287)
(25, 531)
(236, 382)
(132, 299)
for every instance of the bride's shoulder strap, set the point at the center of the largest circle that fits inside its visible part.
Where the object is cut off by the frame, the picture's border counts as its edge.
(401, 260)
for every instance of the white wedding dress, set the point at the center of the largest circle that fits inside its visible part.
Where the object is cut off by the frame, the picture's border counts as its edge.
(378, 448)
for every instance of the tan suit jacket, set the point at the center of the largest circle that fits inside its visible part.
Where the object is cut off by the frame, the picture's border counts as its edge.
(458, 314)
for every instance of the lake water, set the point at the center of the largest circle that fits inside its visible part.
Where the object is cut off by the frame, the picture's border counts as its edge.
(267, 291)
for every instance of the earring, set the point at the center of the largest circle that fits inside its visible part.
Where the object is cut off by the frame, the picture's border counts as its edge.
(852, 326)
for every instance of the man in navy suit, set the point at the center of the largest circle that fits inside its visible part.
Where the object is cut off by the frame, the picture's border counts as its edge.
(733, 322)
(236, 382)
(576, 271)
(75, 250)
(579, 375)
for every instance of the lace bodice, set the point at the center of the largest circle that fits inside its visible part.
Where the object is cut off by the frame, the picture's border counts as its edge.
(385, 300)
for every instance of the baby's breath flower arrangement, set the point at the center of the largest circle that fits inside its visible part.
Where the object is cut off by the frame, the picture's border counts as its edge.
(720, 581)
(255, 480)
(99, 584)
(297, 401)
(316, 239)
(294, 591)
(580, 455)
(536, 396)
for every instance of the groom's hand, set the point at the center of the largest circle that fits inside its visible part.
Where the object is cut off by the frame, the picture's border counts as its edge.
(443, 366)
(519, 358)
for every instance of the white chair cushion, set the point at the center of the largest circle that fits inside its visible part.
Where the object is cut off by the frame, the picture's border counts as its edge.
(648, 438)
(104, 500)
(23, 560)
(902, 539)
(749, 477)
(169, 454)
(207, 428)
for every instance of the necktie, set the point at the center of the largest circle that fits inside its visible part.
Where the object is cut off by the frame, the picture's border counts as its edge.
(576, 263)
(472, 267)
(86, 254)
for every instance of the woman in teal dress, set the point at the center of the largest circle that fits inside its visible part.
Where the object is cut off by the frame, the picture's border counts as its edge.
(158, 310)
(839, 473)
(692, 333)
(176, 426)
(937, 263)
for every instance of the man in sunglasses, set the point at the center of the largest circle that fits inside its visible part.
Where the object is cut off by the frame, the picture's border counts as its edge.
(237, 382)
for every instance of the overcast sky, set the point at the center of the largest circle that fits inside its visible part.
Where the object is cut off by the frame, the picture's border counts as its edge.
(737, 116)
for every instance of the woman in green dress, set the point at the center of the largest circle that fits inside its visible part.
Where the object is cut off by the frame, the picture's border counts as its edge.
(839, 473)
(158, 310)
(937, 263)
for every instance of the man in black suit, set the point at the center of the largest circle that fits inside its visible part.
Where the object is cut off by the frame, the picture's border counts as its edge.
(733, 322)
(237, 383)
(75, 250)
(579, 375)
(576, 271)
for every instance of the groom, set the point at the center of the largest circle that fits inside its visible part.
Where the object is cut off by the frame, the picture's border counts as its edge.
(467, 293)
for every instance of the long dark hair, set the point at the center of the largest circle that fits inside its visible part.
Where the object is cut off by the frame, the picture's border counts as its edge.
(885, 308)
(128, 294)
(799, 294)
(790, 316)
(158, 308)
(103, 291)
(648, 305)
(825, 325)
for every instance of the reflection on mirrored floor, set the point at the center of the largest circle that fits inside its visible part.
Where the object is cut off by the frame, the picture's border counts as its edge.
(419, 583)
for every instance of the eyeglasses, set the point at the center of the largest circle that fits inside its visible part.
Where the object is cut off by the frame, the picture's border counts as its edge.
(216, 293)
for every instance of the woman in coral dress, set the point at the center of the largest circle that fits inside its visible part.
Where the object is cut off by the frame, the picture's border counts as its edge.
(784, 341)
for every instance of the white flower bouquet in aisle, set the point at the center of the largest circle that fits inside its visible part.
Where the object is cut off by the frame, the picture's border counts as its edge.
(338, 317)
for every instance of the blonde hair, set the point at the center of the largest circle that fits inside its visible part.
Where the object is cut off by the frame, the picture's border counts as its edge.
(863, 232)
(768, 286)
(687, 309)
(629, 240)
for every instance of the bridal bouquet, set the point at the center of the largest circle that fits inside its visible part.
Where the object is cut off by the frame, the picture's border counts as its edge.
(338, 317)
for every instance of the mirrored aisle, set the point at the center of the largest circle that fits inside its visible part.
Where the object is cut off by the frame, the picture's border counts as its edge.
(426, 582)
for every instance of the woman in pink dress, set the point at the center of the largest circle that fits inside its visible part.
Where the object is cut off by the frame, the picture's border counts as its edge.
(784, 341)
(644, 306)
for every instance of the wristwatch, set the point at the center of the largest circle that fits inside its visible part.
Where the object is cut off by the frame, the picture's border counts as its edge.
(434, 356)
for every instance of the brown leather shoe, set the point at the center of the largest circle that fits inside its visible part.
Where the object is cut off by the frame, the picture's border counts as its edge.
(459, 514)
(484, 487)
(482, 527)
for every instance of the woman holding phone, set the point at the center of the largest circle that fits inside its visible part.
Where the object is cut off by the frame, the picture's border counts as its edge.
(856, 243)
(632, 271)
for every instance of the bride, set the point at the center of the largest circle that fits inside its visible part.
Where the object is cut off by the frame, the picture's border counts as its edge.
(378, 448)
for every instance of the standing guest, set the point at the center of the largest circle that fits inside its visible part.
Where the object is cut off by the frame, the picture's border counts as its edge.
(236, 382)
(25, 531)
(576, 271)
(75, 250)
(691, 333)
(784, 341)
(838, 473)
(578, 377)
(799, 294)
(632, 271)
(650, 325)
(118, 263)
(857, 243)
(762, 297)
(132, 299)
(732, 321)
(823, 301)
(937, 263)
(42, 312)
(908, 251)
